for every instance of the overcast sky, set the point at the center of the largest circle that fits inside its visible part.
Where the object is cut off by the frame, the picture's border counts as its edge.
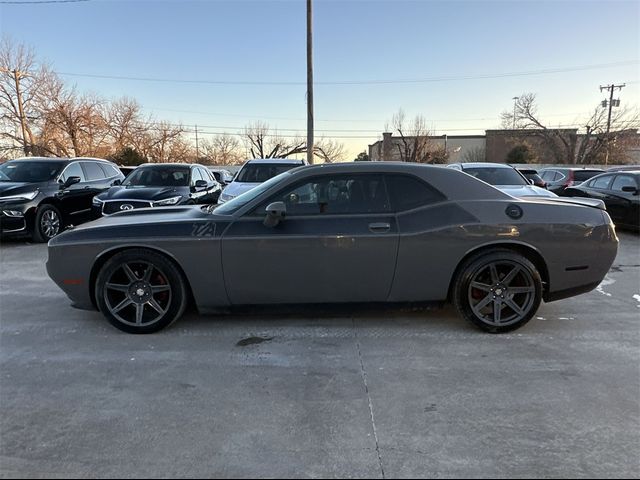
(585, 44)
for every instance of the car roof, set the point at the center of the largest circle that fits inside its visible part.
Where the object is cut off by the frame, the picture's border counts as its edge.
(58, 159)
(173, 164)
(483, 165)
(576, 169)
(293, 161)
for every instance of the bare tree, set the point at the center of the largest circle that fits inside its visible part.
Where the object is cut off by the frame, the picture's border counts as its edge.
(475, 154)
(564, 144)
(32, 78)
(222, 149)
(263, 144)
(414, 143)
(328, 150)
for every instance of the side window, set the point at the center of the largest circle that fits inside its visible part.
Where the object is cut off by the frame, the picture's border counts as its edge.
(333, 194)
(205, 174)
(109, 170)
(408, 192)
(93, 171)
(195, 175)
(547, 175)
(623, 181)
(73, 170)
(601, 182)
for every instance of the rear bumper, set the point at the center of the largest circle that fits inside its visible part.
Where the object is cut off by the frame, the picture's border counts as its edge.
(576, 275)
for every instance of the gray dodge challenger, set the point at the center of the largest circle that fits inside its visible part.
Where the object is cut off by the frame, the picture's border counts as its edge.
(358, 232)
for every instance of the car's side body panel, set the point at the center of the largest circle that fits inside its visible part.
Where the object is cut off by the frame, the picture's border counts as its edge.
(235, 259)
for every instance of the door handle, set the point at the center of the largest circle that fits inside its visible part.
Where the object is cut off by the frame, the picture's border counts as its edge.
(381, 227)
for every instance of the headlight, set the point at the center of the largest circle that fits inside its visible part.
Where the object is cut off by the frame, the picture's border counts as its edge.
(97, 202)
(21, 196)
(167, 201)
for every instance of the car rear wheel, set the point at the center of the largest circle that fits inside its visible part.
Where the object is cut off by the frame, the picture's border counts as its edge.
(47, 223)
(140, 291)
(498, 291)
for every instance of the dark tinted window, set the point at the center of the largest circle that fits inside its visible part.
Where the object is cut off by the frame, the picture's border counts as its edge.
(582, 175)
(30, 171)
(334, 194)
(408, 192)
(261, 172)
(496, 175)
(623, 181)
(73, 170)
(601, 182)
(93, 171)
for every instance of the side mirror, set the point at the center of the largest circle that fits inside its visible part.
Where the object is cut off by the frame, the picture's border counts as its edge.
(200, 184)
(276, 212)
(116, 182)
(70, 181)
(630, 189)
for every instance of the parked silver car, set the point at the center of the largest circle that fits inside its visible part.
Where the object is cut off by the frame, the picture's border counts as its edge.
(504, 177)
(336, 233)
(254, 172)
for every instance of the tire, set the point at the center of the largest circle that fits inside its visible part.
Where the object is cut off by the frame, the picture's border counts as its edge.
(135, 299)
(47, 223)
(498, 290)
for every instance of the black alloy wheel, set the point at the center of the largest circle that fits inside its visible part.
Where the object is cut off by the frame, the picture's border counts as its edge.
(140, 291)
(498, 291)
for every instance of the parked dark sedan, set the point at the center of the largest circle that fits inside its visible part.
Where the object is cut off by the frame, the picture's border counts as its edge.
(558, 178)
(159, 185)
(41, 196)
(352, 232)
(619, 191)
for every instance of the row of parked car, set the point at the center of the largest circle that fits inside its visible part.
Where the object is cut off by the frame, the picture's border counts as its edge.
(42, 196)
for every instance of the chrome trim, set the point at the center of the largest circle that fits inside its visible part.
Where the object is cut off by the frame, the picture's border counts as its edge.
(22, 229)
(104, 202)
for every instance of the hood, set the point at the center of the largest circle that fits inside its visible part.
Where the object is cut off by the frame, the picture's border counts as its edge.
(525, 191)
(126, 192)
(16, 188)
(238, 188)
(142, 223)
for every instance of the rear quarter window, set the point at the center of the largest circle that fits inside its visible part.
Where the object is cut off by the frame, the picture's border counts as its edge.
(408, 192)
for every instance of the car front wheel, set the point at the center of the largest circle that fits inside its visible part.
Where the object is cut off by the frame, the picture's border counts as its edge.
(47, 223)
(498, 291)
(140, 291)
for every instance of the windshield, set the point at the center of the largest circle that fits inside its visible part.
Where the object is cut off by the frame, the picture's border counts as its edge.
(158, 177)
(232, 206)
(258, 173)
(30, 171)
(497, 175)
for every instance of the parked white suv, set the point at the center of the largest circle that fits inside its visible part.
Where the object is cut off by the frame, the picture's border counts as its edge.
(254, 172)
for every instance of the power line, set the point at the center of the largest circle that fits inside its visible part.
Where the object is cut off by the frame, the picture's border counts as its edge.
(355, 82)
(37, 2)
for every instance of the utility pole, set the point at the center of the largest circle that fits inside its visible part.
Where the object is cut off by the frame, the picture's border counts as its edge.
(611, 89)
(197, 149)
(515, 100)
(309, 85)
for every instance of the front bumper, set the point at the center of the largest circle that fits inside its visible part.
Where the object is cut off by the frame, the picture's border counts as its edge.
(15, 217)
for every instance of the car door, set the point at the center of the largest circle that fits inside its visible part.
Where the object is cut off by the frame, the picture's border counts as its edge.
(338, 243)
(72, 199)
(620, 204)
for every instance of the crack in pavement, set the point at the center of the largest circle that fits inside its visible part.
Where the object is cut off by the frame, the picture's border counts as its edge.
(366, 389)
